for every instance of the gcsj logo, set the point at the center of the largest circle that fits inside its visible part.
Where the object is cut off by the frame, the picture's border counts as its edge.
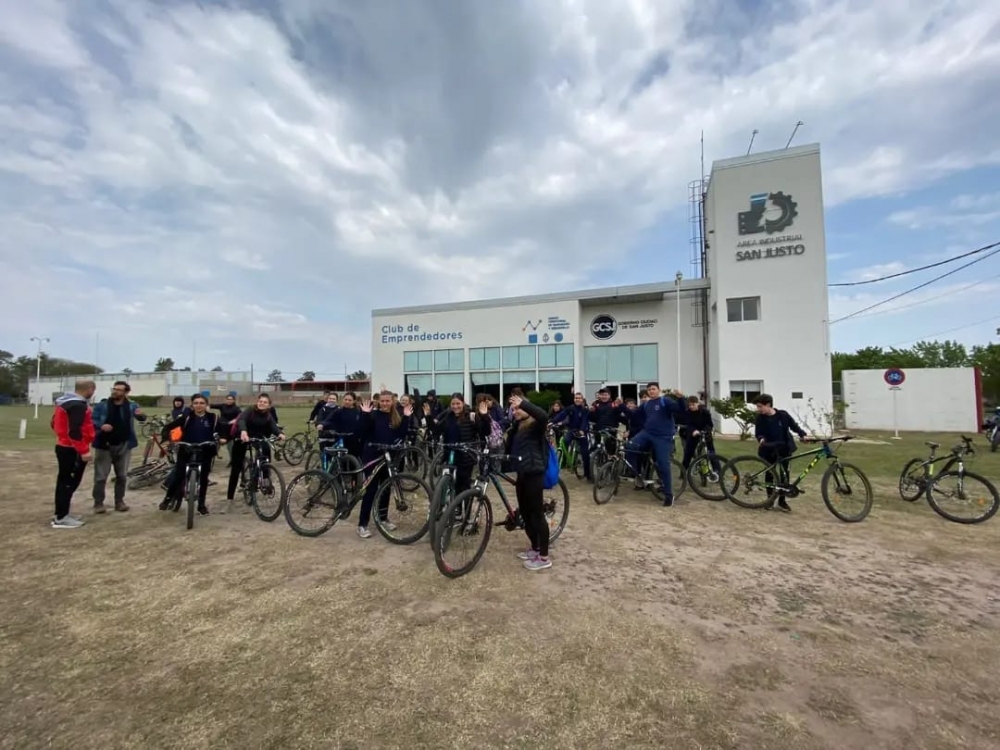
(769, 212)
(603, 327)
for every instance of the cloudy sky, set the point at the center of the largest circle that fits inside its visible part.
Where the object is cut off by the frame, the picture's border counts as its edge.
(259, 175)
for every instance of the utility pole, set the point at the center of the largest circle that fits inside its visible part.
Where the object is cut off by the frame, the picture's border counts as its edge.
(38, 371)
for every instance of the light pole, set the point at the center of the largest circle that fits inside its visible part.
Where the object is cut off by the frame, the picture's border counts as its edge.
(677, 282)
(38, 371)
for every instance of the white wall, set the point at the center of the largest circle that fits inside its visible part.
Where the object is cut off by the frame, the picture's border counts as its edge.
(930, 400)
(181, 383)
(787, 348)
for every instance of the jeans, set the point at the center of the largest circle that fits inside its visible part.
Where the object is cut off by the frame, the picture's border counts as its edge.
(530, 490)
(114, 456)
(71, 469)
(663, 451)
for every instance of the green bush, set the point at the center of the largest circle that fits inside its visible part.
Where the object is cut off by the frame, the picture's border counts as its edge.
(739, 412)
(543, 399)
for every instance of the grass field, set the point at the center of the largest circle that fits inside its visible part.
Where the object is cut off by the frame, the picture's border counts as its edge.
(699, 626)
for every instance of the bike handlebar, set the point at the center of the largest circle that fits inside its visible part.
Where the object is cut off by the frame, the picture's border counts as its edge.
(387, 446)
(202, 444)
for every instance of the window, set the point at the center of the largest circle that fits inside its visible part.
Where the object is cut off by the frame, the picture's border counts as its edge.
(519, 357)
(547, 355)
(485, 378)
(564, 355)
(619, 364)
(627, 363)
(510, 357)
(418, 361)
(796, 394)
(449, 360)
(741, 309)
(555, 376)
(484, 358)
(595, 363)
(420, 383)
(645, 366)
(747, 390)
(446, 385)
(524, 378)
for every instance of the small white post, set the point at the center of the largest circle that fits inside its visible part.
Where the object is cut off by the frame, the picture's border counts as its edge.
(22, 431)
(895, 414)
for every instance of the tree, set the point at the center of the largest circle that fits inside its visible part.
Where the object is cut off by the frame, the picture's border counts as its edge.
(736, 410)
(274, 376)
(163, 364)
(217, 368)
(359, 375)
(307, 377)
(987, 359)
(126, 371)
(17, 373)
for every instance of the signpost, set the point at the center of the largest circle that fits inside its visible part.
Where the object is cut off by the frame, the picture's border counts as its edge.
(894, 378)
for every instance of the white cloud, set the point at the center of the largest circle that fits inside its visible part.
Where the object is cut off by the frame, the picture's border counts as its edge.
(264, 182)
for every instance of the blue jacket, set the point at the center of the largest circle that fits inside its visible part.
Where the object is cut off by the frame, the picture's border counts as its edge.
(660, 414)
(577, 418)
(100, 416)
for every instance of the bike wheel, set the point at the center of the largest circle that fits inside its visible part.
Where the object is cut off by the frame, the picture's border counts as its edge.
(349, 474)
(606, 482)
(849, 481)
(704, 475)
(152, 475)
(312, 503)
(444, 491)
(952, 492)
(269, 499)
(312, 460)
(577, 459)
(406, 501)
(912, 482)
(555, 505)
(463, 533)
(678, 480)
(411, 461)
(296, 448)
(191, 495)
(743, 475)
(433, 475)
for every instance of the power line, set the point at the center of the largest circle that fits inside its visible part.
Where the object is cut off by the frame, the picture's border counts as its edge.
(919, 286)
(924, 301)
(921, 268)
(950, 330)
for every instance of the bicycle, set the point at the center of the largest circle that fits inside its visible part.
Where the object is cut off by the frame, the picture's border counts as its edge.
(919, 479)
(753, 472)
(600, 454)
(299, 445)
(192, 478)
(150, 474)
(257, 479)
(154, 425)
(470, 515)
(444, 486)
(704, 473)
(334, 459)
(566, 450)
(327, 498)
(619, 466)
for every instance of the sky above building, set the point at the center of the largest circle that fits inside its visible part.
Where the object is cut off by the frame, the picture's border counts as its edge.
(257, 176)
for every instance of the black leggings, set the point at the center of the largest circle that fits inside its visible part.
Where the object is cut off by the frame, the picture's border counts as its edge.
(530, 488)
(176, 490)
(236, 463)
(71, 470)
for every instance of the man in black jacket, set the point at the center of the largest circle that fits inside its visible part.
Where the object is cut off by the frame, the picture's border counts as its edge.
(773, 429)
(697, 421)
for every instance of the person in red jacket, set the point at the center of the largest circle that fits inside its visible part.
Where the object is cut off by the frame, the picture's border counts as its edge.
(74, 427)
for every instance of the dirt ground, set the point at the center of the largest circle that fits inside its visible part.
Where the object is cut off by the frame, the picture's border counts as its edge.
(700, 626)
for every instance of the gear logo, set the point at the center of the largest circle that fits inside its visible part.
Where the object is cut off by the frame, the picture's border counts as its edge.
(769, 212)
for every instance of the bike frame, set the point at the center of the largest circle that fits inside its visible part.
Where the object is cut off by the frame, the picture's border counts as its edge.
(824, 451)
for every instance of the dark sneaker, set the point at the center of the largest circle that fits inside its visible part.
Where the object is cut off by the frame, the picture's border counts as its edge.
(203, 510)
(99, 508)
(165, 505)
(782, 504)
(120, 507)
(668, 501)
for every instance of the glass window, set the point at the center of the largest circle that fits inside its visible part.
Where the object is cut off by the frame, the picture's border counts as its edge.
(477, 359)
(564, 355)
(555, 376)
(411, 362)
(446, 385)
(595, 363)
(510, 357)
(420, 383)
(491, 357)
(426, 361)
(441, 361)
(523, 378)
(485, 378)
(619, 364)
(741, 309)
(747, 390)
(456, 360)
(644, 363)
(526, 357)
(547, 355)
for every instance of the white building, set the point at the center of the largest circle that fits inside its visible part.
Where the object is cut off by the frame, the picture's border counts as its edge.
(176, 383)
(927, 399)
(754, 321)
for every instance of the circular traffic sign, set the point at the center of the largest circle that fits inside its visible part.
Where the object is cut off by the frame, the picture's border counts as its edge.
(603, 327)
(894, 376)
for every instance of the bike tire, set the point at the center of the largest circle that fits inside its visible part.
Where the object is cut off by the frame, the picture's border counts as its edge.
(316, 499)
(608, 477)
(555, 517)
(750, 475)
(912, 488)
(419, 491)
(296, 448)
(349, 474)
(700, 478)
(994, 441)
(479, 519)
(831, 473)
(990, 491)
(678, 478)
(444, 491)
(148, 478)
(191, 493)
(312, 460)
(275, 502)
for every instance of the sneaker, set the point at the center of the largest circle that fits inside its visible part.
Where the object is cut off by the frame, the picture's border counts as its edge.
(165, 505)
(388, 526)
(203, 510)
(120, 507)
(99, 508)
(538, 563)
(66, 522)
(528, 554)
(782, 505)
(668, 501)
(363, 532)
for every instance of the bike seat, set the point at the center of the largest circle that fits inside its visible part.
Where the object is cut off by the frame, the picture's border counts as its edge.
(932, 445)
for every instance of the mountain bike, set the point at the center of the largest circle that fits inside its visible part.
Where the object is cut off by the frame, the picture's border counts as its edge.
(972, 491)
(623, 465)
(299, 445)
(334, 458)
(154, 425)
(262, 484)
(192, 477)
(704, 473)
(469, 517)
(321, 497)
(444, 486)
(156, 472)
(566, 450)
(750, 473)
(599, 454)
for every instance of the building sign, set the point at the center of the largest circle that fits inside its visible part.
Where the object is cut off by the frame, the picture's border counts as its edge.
(557, 323)
(768, 250)
(604, 326)
(769, 214)
(401, 333)
(554, 323)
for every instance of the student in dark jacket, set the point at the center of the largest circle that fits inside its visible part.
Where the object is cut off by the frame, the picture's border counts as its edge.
(178, 408)
(258, 422)
(773, 429)
(606, 415)
(694, 423)
(345, 421)
(658, 432)
(198, 425)
(229, 415)
(462, 425)
(323, 412)
(529, 450)
(314, 415)
(577, 424)
(381, 425)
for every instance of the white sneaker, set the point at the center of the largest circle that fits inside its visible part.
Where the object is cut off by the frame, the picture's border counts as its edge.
(363, 532)
(528, 554)
(388, 526)
(66, 522)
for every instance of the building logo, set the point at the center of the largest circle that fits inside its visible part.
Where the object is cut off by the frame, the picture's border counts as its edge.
(769, 212)
(603, 327)
(532, 326)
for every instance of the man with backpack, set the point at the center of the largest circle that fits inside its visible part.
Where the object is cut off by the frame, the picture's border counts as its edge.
(73, 424)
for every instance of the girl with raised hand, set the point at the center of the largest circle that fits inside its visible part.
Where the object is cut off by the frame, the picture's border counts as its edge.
(379, 425)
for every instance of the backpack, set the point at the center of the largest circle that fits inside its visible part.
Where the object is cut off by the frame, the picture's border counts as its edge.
(552, 470)
(495, 440)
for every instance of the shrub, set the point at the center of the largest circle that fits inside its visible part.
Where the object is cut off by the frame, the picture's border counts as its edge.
(543, 399)
(736, 410)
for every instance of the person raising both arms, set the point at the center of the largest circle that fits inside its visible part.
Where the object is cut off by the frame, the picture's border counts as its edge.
(658, 432)
(381, 425)
(528, 448)
(198, 425)
(256, 423)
